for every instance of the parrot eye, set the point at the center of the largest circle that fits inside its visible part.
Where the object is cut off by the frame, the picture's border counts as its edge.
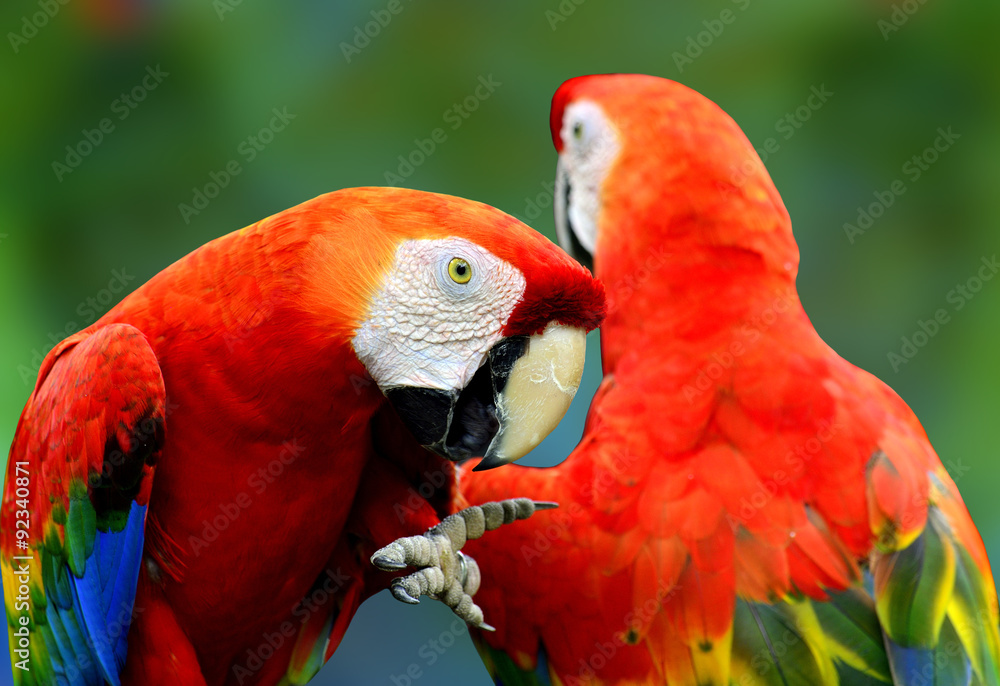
(459, 270)
(578, 130)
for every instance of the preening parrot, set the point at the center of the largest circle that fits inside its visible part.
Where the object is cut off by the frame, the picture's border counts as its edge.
(745, 507)
(198, 478)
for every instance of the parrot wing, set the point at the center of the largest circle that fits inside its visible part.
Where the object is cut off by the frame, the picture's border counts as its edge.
(79, 477)
(934, 592)
(884, 547)
(922, 614)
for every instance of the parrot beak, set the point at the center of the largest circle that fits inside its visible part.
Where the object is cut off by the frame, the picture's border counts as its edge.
(568, 239)
(518, 395)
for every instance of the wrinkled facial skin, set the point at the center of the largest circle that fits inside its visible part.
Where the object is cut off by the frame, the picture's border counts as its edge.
(427, 330)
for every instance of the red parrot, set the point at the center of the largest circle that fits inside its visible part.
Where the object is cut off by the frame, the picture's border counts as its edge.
(195, 476)
(745, 507)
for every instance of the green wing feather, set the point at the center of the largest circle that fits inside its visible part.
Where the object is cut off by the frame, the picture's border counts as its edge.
(934, 605)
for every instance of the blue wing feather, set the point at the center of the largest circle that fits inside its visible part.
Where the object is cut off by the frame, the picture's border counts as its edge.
(105, 594)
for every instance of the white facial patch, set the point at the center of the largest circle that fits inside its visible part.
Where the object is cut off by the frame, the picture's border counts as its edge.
(427, 329)
(590, 147)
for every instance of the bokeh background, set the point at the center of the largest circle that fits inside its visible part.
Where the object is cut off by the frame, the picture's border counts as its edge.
(364, 84)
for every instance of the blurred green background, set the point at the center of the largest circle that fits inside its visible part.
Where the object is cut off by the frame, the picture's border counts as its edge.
(186, 88)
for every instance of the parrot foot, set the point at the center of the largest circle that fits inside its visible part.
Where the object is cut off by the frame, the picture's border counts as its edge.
(448, 574)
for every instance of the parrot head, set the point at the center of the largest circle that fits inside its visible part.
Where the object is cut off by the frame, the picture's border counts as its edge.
(645, 162)
(470, 323)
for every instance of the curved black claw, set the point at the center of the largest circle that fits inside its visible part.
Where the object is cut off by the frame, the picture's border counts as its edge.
(387, 564)
(400, 594)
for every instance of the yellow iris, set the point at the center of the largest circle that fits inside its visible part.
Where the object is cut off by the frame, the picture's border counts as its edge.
(459, 270)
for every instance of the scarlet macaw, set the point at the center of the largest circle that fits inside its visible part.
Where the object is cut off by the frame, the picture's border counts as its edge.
(745, 507)
(251, 377)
